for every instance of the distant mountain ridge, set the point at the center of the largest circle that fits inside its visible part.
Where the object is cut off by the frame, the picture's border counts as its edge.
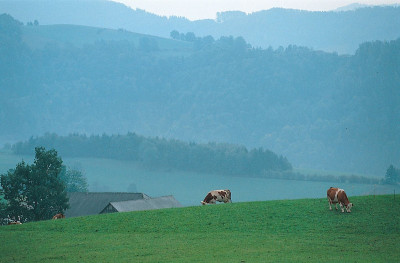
(354, 6)
(351, 7)
(333, 31)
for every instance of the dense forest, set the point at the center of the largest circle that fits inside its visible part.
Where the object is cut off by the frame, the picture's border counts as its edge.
(319, 109)
(156, 153)
(160, 154)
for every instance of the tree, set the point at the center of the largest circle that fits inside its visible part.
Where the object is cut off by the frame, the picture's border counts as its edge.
(74, 180)
(190, 37)
(3, 208)
(10, 29)
(35, 192)
(392, 175)
(175, 34)
(14, 186)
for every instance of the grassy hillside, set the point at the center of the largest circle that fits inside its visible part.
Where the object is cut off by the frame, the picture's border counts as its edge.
(273, 231)
(40, 36)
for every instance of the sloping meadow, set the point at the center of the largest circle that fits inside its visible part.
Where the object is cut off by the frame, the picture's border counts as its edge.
(272, 231)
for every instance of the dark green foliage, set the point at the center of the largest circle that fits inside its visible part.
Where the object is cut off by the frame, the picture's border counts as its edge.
(175, 35)
(9, 28)
(35, 192)
(74, 180)
(392, 175)
(199, 42)
(159, 153)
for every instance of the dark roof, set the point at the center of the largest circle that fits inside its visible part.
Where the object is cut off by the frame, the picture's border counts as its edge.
(83, 204)
(143, 204)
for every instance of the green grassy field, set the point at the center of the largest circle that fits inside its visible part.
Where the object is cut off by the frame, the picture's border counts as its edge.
(272, 231)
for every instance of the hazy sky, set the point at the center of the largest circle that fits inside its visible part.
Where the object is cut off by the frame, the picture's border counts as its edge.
(200, 9)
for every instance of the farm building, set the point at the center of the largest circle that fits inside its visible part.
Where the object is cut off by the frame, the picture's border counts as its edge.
(142, 204)
(83, 204)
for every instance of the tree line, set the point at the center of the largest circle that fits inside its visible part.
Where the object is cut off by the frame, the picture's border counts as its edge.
(161, 153)
(174, 155)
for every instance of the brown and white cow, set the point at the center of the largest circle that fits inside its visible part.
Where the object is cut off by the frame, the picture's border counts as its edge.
(217, 195)
(335, 196)
(59, 216)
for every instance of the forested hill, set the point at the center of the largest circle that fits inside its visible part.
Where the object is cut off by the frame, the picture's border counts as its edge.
(318, 109)
(156, 153)
(328, 31)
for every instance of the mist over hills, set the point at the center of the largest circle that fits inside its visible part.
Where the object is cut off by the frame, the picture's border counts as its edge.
(333, 31)
(320, 110)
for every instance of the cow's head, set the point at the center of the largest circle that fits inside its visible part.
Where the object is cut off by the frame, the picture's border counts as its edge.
(348, 207)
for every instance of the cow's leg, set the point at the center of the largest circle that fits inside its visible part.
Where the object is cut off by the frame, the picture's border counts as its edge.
(336, 206)
(341, 207)
(330, 203)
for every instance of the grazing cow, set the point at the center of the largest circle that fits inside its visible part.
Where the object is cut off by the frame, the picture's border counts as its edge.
(217, 195)
(335, 196)
(59, 216)
(14, 223)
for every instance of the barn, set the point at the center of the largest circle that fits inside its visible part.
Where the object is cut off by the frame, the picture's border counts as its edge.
(142, 204)
(93, 203)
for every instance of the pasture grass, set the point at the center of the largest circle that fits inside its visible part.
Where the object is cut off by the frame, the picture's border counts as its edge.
(269, 231)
